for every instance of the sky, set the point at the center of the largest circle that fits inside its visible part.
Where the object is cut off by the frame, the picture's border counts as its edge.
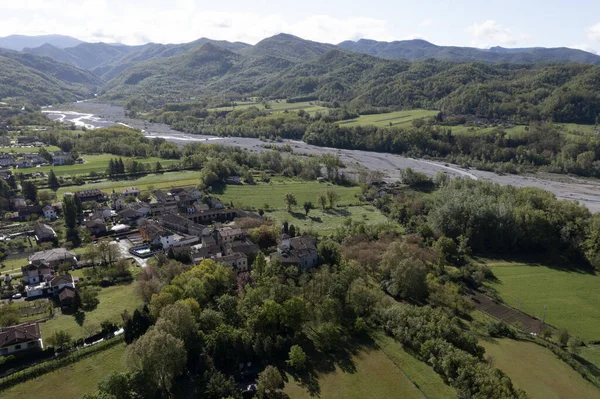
(508, 23)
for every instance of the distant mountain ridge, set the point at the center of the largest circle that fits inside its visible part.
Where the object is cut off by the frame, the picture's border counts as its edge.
(421, 49)
(19, 42)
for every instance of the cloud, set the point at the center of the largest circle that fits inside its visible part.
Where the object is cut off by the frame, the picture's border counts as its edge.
(138, 22)
(593, 32)
(427, 22)
(490, 33)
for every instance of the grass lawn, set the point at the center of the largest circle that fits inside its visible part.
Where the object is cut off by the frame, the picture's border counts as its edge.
(74, 380)
(327, 221)
(256, 196)
(113, 301)
(377, 374)
(538, 371)
(591, 353)
(163, 180)
(14, 265)
(27, 150)
(395, 118)
(572, 298)
(94, 163)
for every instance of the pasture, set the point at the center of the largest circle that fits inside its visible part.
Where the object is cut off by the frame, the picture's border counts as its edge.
(384, 371)
(260, 194)
(397, 118)
(538, 371)
(113, 301)
(571, 297)
(74, 380)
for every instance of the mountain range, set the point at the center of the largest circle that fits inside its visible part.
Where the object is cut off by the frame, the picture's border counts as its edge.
(402, 73)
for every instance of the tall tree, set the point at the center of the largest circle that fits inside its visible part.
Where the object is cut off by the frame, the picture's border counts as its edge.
(52, 180)
(308, 206)
(70, 212)
(29, 190)
(159, 356)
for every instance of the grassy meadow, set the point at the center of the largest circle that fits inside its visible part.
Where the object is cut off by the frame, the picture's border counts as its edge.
(538, 371)
(396, 118)
(384, 371)
(326, 221)
(259, 194)
(113, 301)
(74, 380)
(572, 298)
(94, 163)
(312, 107)
(28, 150)
(163, 180)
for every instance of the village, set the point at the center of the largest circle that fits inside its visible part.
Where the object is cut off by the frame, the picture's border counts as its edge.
(180, 223)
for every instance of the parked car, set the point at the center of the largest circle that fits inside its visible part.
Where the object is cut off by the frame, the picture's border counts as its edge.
(17, 296)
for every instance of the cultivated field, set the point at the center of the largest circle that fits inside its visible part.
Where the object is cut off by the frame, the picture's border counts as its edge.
(389, 119)
(74, 380)
(94, 163)
(538, 371)
(571, 298)
(113, 301)
(378, 373)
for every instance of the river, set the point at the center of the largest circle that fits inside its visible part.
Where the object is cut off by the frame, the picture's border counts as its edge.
(96, 115)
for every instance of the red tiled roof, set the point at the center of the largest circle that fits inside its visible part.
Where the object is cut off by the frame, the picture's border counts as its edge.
(20, 333)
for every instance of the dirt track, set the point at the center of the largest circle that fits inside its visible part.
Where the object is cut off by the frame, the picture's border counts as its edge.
(564, 187)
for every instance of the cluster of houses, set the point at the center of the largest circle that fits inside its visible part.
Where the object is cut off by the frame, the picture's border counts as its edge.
(30, 160)
(182, 222)
(41, 277)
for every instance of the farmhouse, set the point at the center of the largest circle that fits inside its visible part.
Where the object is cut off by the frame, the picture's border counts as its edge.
(62, 158)
(6, 160)
(238, 261)
(49, 212)
(52, 258)
(298, 251)
(20, 338)
(130, 192)
(90, 195)
(43, 232)
(157, 235)
(33, 274)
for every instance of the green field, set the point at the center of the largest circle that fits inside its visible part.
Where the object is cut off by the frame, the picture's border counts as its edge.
(27, 150)
(163, 180)
(311, 107)
(379, 373)
(538, 371)
(572, 298)
(113, 301)
(327, 221)
(591, 353)
(74, 380)
(473, 130)
(94, 163)
(396, 118)
(256, 196)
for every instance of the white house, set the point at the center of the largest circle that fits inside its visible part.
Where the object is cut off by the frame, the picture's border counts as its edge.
(49, 212)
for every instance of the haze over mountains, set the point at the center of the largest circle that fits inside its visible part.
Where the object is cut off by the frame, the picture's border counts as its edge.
(402, 73)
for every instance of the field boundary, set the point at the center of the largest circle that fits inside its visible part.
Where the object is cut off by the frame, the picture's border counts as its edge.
(401, 370)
